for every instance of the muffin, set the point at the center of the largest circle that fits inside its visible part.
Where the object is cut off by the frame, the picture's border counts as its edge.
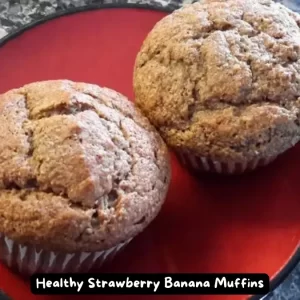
(220, 80)
(82, 173)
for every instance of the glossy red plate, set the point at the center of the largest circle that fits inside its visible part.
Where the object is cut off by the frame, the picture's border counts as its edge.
(242, 224)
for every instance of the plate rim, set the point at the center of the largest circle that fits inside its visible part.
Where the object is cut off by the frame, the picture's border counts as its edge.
(294, 259)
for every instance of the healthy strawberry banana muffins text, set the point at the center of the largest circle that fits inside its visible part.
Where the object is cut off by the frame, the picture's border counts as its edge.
(221, 82)
(82, 172)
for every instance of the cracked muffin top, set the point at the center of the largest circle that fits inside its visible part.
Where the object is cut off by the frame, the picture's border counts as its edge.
(81, 169)
(222, 78)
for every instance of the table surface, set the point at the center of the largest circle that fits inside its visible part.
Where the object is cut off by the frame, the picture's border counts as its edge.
(17, 13)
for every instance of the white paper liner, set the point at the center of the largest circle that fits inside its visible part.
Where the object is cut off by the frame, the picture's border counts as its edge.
(204, 164)
(28, 260)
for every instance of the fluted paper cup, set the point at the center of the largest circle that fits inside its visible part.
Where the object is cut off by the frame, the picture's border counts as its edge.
(203, 164)
(28, 260)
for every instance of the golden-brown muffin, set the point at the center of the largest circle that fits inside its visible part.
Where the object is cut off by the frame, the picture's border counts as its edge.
(220, 80)
(82, 172)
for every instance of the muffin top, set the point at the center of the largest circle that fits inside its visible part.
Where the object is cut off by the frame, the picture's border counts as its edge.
(81, 168)
(222, 78)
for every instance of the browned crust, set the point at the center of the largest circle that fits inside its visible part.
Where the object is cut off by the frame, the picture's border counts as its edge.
(81, 169)
(222, 79)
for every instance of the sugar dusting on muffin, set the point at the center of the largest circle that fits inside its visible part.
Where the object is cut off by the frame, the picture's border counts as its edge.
(221, 79)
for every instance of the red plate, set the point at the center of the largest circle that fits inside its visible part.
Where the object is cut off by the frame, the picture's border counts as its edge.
(248, 223)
